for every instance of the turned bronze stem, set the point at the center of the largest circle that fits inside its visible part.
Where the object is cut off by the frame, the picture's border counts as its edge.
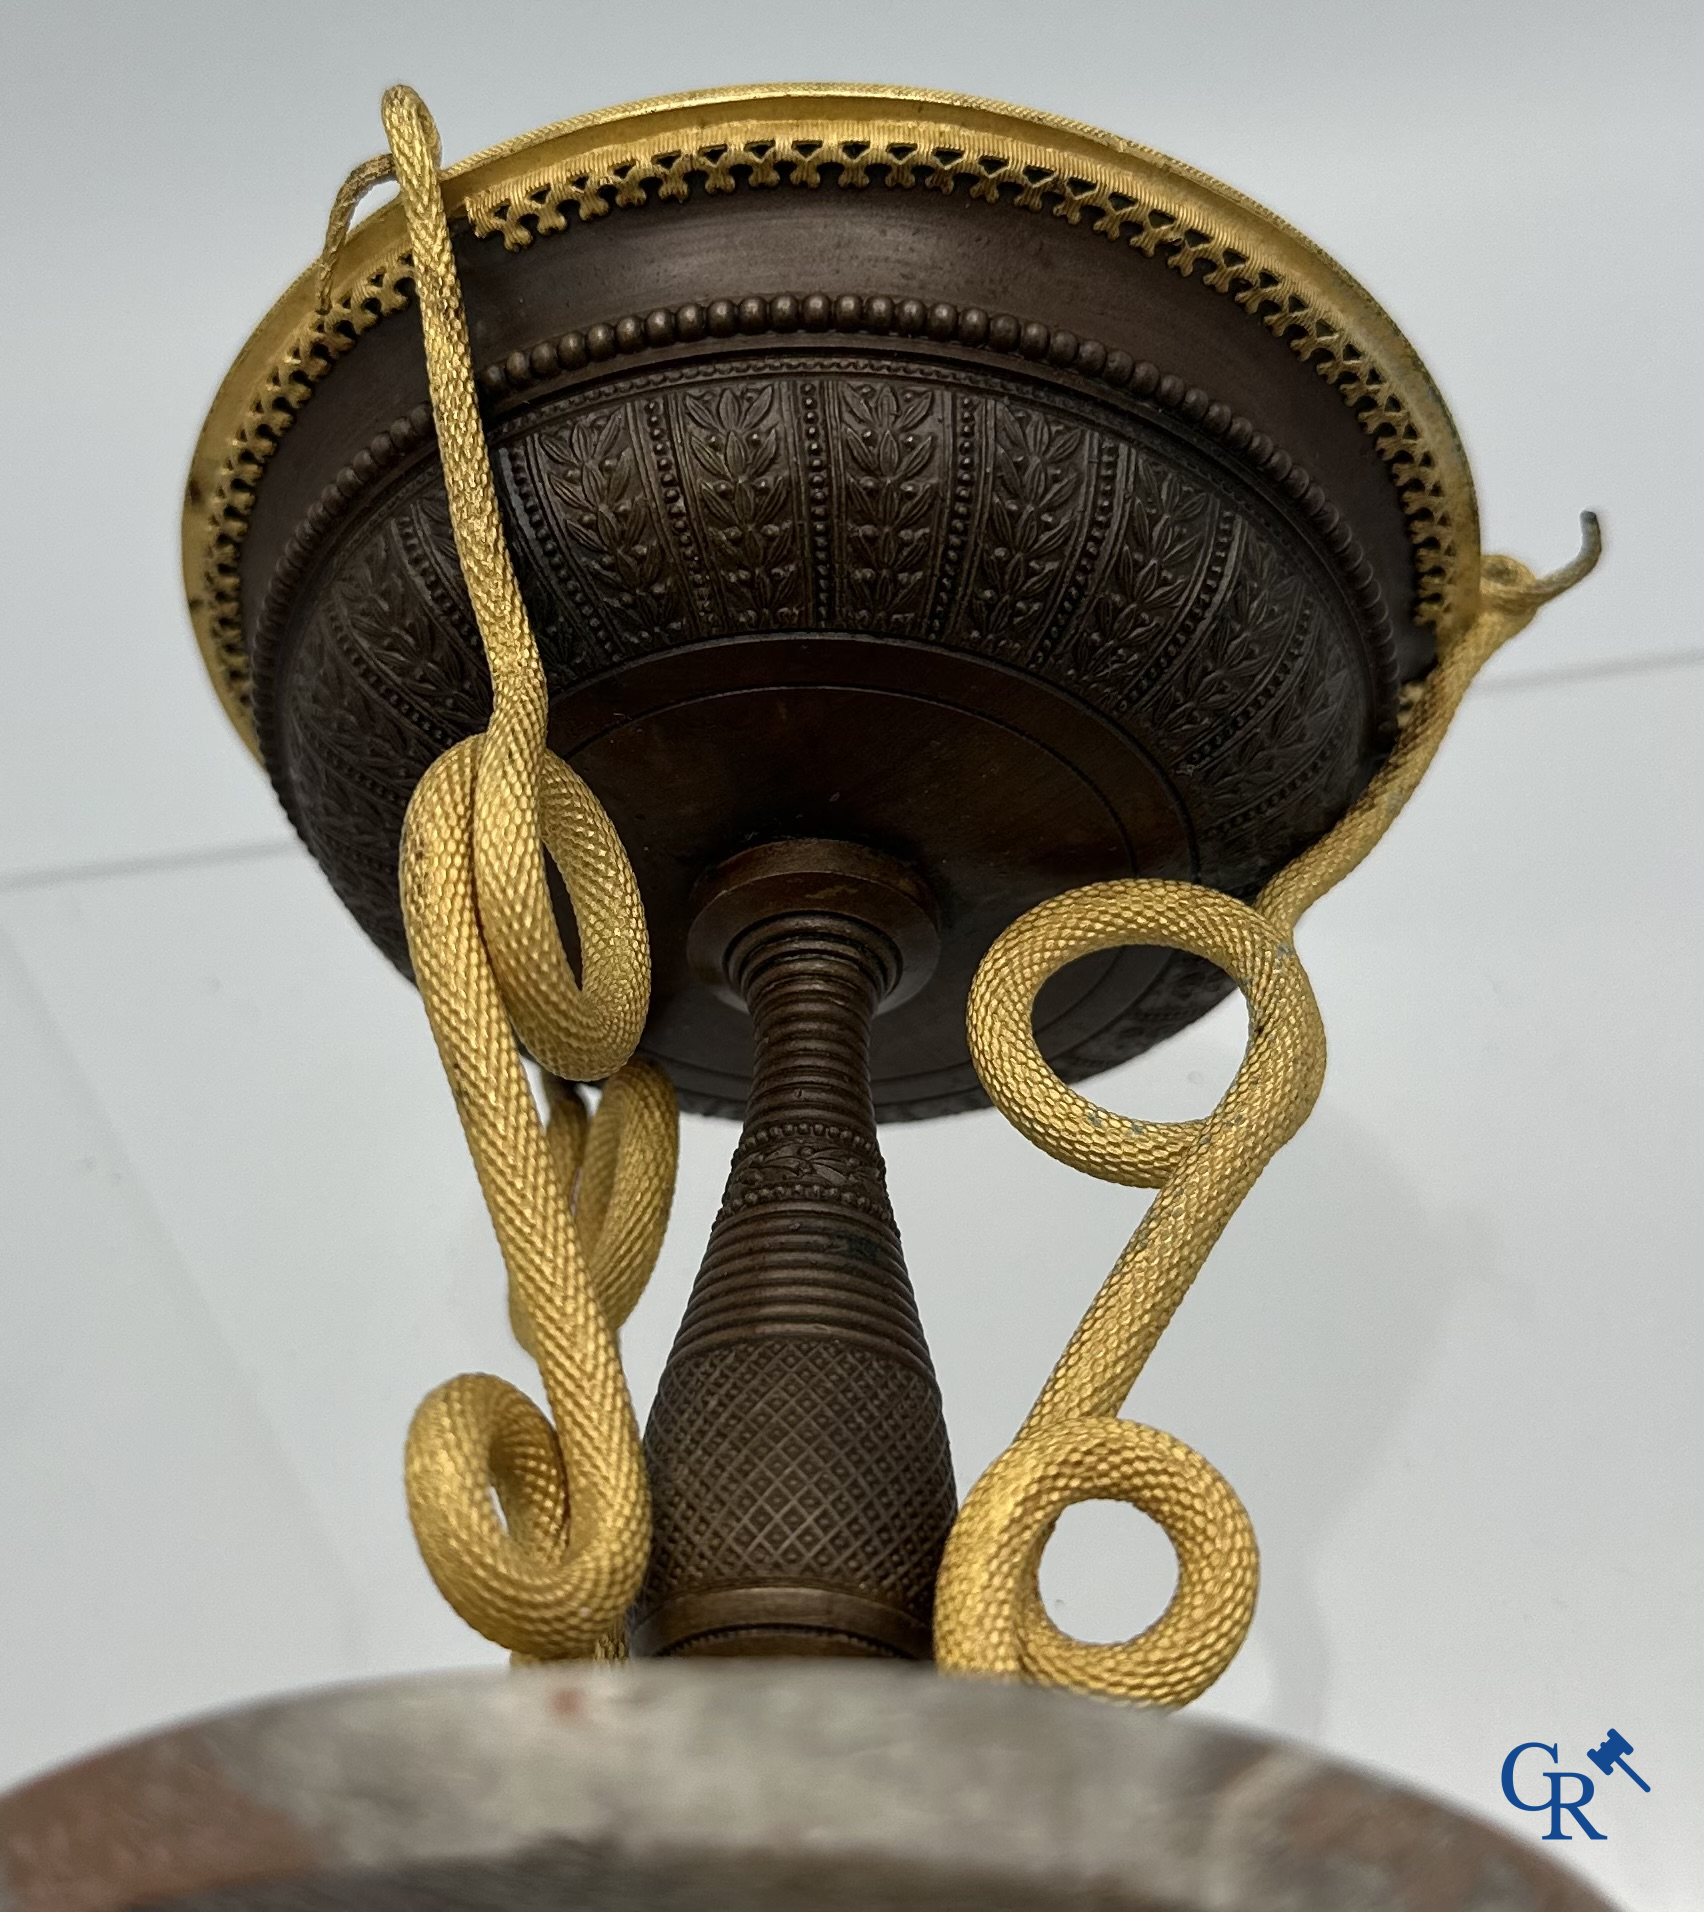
(801, 1481)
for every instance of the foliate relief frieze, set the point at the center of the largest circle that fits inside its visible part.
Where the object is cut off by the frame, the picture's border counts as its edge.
(922, 501)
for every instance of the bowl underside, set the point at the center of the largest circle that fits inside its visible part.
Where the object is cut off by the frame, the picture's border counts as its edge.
(1031, 551)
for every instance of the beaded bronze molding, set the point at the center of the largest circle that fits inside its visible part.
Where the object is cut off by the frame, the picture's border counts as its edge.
(999, 333)
(802, 135)
(222, 515)
(1155, 223)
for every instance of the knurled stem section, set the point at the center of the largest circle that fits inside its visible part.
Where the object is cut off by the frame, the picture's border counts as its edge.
(797, 1442)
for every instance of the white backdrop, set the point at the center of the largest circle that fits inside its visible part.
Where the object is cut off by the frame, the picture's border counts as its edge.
(1447, 1352)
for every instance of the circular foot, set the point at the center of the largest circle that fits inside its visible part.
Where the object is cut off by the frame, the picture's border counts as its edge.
(705, 1788)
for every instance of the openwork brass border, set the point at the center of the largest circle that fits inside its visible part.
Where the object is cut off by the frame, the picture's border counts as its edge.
(216, 510)
(763, 138)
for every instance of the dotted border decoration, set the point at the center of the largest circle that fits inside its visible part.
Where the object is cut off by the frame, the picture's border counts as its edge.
(1035, 177)
(818, 312)
(269, 414)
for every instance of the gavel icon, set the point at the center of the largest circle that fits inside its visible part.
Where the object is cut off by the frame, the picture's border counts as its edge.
(1611, 1754)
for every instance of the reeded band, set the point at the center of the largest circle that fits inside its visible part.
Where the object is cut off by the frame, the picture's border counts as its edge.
(794, 1617)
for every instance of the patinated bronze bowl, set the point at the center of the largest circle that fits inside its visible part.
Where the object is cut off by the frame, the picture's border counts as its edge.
(880, 465)
(923, 508)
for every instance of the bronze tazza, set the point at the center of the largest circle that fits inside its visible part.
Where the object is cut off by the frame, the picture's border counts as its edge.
(923, 507)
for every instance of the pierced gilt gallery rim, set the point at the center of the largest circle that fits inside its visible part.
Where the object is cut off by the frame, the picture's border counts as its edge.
(827, 137)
